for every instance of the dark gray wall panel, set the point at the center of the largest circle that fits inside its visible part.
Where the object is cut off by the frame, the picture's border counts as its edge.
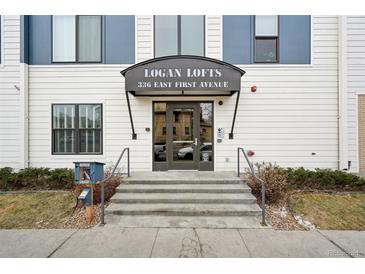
(119, 39)
(40, 40)
(295, 39)
(237, 39)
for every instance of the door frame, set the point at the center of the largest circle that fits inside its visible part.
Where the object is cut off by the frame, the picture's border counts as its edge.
(202, 166)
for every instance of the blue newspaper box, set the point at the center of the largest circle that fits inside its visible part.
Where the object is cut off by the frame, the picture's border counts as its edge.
(88, 172)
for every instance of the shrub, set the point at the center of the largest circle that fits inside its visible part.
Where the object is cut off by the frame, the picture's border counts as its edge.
(279, 180)
(275, 178)
(36, 179)
(109, 188)
(6, 176)
(32, 178)
(324, 179)
(62, 178)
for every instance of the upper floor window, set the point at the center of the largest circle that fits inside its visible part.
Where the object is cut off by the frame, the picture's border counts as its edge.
(76, 38)
(179, 35)
(266, 39)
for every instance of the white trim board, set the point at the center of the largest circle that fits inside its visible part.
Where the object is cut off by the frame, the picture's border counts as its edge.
(2, 41)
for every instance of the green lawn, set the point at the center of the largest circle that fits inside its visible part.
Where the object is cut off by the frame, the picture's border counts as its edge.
(35, 210)
(330, 211)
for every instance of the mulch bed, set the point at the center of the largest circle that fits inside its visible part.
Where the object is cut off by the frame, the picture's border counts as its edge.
(280, 217)
(78, 219)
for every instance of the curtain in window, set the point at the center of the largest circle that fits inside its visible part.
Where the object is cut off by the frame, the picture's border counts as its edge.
(266, 25)
(166, 30)
(89, 35)
(64, 38)
(192, 35)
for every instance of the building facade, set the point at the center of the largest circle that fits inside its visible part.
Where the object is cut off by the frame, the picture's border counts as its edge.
(301, 91)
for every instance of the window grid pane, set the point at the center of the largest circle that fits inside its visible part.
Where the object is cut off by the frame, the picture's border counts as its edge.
(90, 116)
(266, 50)
(90, 141)
(64, 141)
(64, 38)
(64, 116)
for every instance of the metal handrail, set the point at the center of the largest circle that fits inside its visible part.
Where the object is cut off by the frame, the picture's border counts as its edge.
(263, 188)
(102, 198)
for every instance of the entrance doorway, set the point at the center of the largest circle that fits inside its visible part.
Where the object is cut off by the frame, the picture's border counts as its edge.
(183, 136)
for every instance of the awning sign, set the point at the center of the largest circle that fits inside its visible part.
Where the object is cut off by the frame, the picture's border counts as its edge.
(182, 73)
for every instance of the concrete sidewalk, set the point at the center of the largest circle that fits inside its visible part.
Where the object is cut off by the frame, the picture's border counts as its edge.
(180, 242)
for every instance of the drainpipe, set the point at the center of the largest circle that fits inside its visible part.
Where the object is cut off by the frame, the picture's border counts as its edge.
(23, 94)
(24, 116)
(342, 94)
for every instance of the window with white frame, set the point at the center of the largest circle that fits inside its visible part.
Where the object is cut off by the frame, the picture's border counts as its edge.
(266, 39)
(77, 129)
(179, 35)
(76, 38)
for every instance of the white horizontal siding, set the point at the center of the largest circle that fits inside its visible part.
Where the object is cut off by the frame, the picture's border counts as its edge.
(9, 95)
(291, 119)
(144, 38)
(356, 79)
(213, 36)
(324, 39)
(93, 84)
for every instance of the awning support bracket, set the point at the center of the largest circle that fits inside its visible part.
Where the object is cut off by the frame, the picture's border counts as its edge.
(134, 134)
(230, 135)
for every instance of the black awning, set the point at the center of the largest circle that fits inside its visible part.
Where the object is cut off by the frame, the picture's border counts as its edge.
(182, 75)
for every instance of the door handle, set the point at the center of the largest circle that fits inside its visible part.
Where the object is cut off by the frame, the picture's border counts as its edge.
(183, 142)
(196, 142)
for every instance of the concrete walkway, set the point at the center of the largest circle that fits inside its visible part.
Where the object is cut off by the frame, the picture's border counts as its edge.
(180, 242)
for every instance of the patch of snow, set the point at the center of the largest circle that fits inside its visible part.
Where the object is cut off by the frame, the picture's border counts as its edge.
(282, 212)
(305, 223)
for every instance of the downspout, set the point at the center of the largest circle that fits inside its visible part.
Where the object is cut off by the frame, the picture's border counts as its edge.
(343, 163)
(24, 93)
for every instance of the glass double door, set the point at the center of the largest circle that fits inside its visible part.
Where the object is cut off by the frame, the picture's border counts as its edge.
(183, 136)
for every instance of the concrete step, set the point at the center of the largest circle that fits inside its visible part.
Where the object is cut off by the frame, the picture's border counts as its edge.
(181, 181)
(184, 188)
(184, 177)
(184, 198)
(184, 209)
(184, 221)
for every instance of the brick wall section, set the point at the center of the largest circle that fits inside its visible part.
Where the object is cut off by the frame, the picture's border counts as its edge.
(361, 113)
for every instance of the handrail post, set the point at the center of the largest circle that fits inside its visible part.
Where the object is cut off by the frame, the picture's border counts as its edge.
(257, 179)
(129, 173)
(263, 206)
(102, 184)
(102, 222)
(238, 162)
